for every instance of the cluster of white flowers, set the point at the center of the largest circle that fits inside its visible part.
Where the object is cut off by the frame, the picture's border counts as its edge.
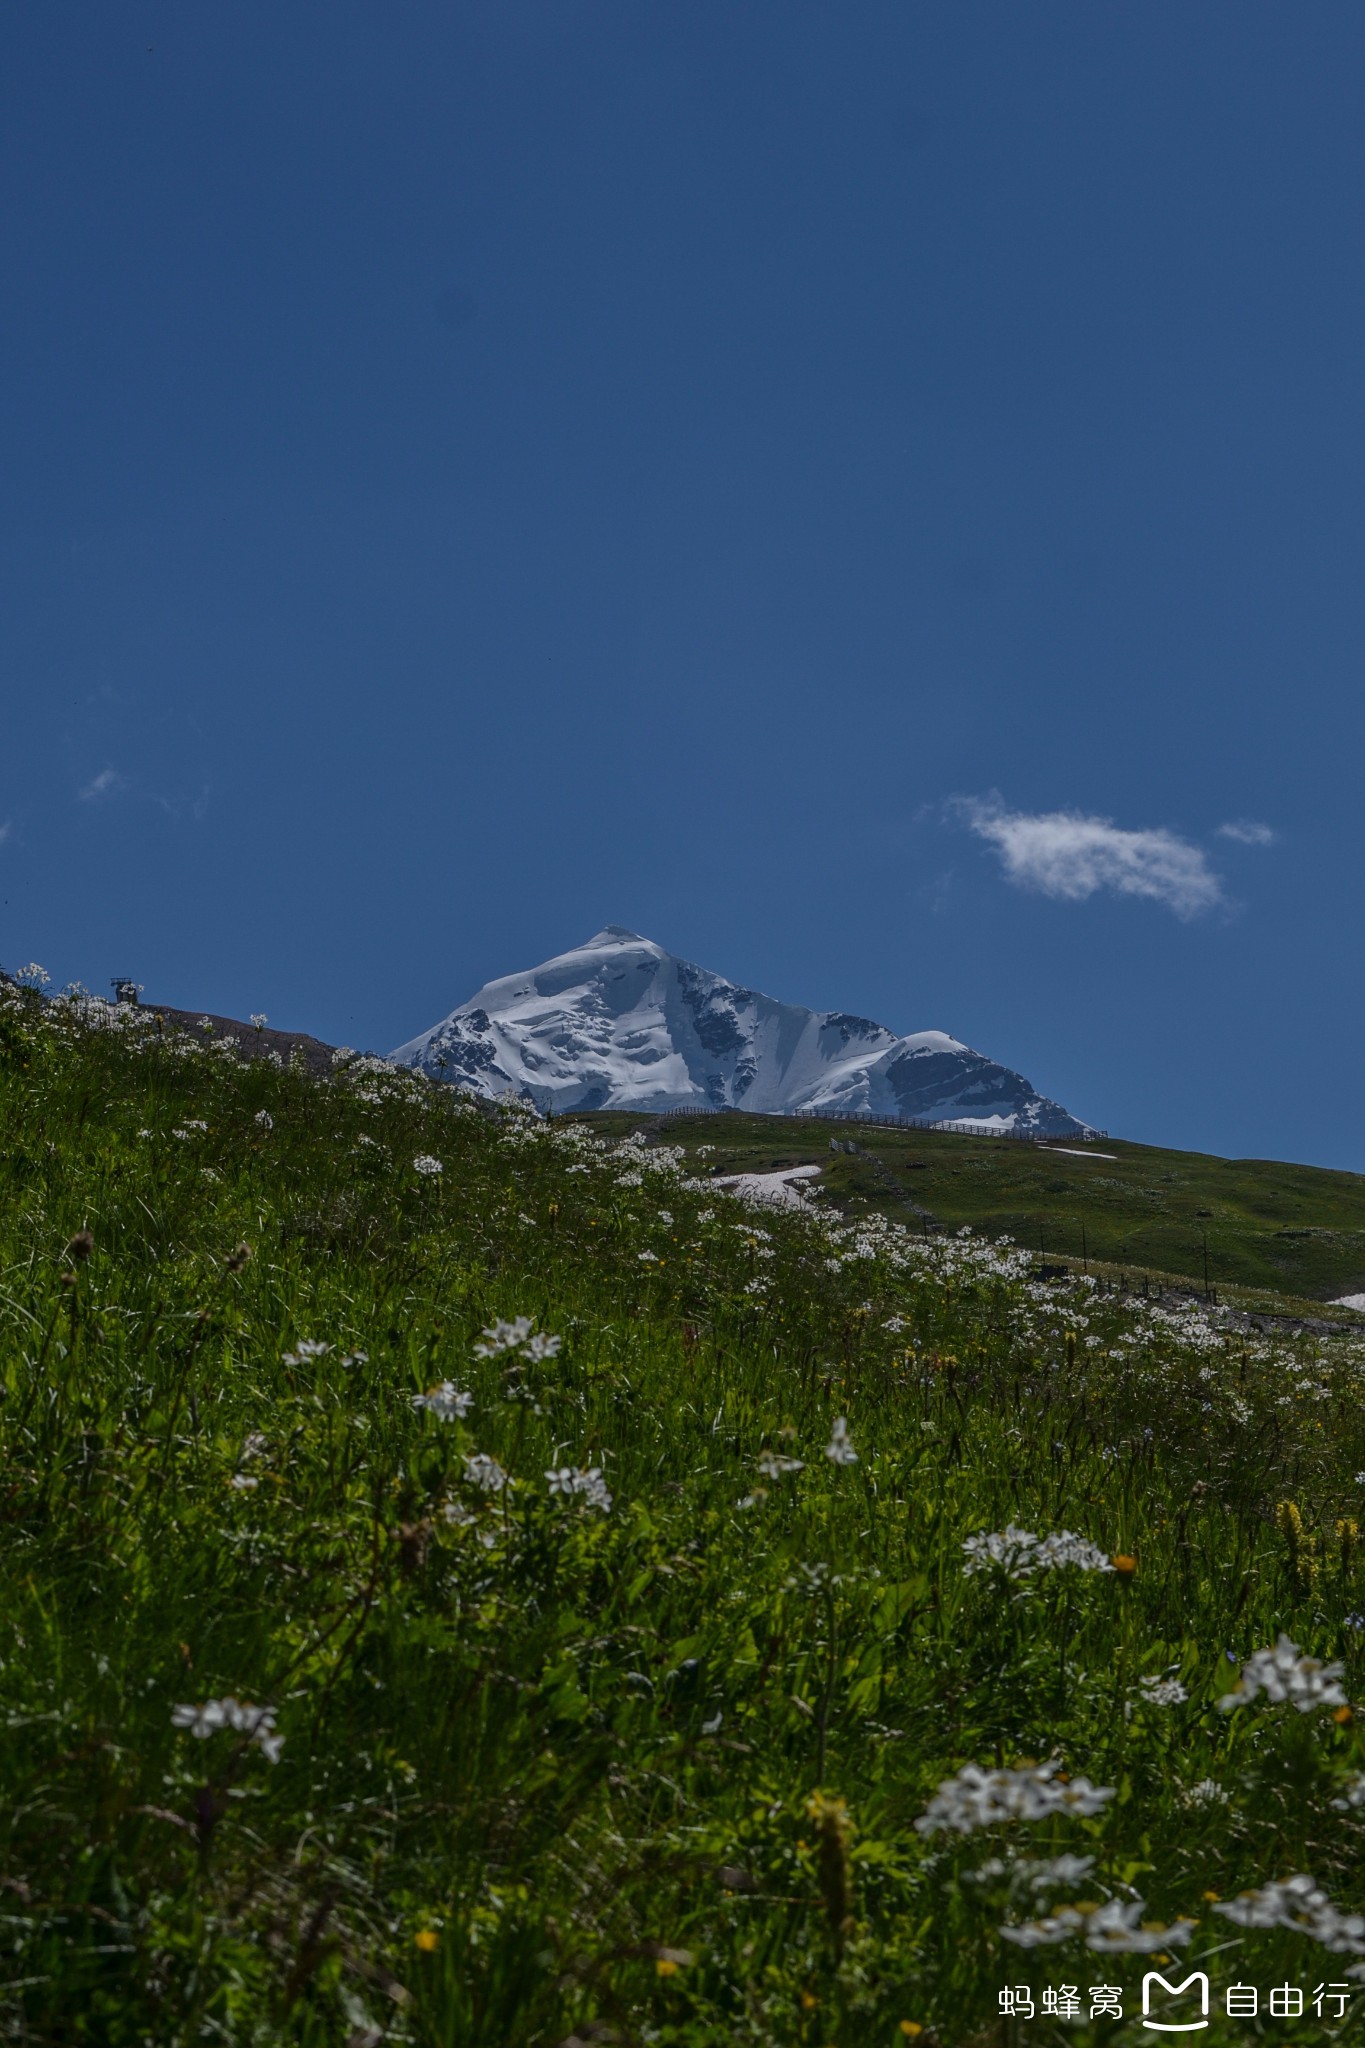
(1036, 1874)
(516, 1336)
(259, 1020)
(424, 1163)
(264, 1119)
(254, 1447)
(1297, 1902)
(1283, 1674)
(1162, 1692)
(307, 1348)
(448, 1403)
(485, 1473)
(257, 1723)
(1206, 1792)
(461, 1517)
(960, 1258)
(773, 1465)
(1112, 1928)
(981, 1799)
(1352, 1794)
(586, 1485)
(1019, 1553)
(839, 1450)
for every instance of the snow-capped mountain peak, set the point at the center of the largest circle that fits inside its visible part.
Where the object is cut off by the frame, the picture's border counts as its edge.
(618, 1023)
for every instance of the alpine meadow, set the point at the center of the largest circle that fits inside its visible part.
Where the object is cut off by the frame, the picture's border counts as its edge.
(472, 1580)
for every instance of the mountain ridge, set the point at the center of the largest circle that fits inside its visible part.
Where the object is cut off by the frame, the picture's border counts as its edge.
(620, 1023)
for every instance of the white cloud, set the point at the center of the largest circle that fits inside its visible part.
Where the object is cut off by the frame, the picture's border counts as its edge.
(1247, 832)
(1069, 855)
(104, 784)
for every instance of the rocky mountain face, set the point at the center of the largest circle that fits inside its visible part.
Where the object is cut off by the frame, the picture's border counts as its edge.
(619, 1023)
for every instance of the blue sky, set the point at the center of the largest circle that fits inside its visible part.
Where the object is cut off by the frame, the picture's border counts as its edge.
(763, 475)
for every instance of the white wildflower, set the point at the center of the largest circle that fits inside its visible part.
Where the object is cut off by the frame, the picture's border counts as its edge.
(264, 1119)
(1282, 1674)
(244, 1482)
(1011, 1548)
(307, 1348)
(1352, 1794)
(587, 1484)
(1019, 1553)
(1047, 1871)
(1110, 1929)
(203, 1720)
(1298, 1903)
(1206, 1792)
(448, 1403)
(1162, 1692)
(839, 1450)
(258, 1723)
(1063, 1548)
(424, 1163)
(259, 1019)
(980, 1799)
(594, 1490)
(500, 1336)
(1029, 1874)
(1032, 1874)
(485, 1472)
(773, 1465)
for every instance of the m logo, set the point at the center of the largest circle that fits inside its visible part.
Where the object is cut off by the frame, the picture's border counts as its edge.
(1196, 1979)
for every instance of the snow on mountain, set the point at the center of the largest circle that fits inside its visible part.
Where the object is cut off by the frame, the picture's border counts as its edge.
(623, 1025)
(620, 1024)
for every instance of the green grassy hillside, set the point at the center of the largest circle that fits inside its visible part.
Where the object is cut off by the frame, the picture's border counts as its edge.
(469, 1582)
(1299, 1230)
